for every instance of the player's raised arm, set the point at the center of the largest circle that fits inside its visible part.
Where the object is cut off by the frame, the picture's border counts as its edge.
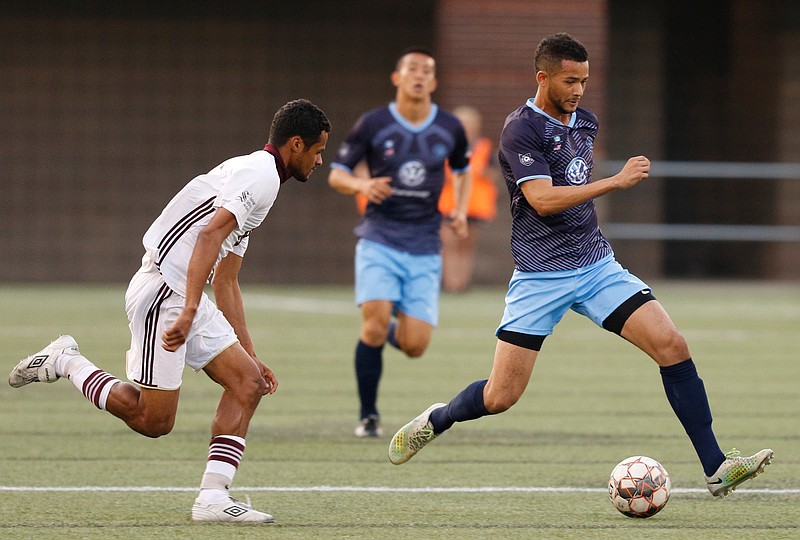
(548, 199)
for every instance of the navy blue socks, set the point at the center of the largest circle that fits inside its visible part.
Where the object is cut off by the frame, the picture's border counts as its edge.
(687, 396)
(467, 405)
(369, 366)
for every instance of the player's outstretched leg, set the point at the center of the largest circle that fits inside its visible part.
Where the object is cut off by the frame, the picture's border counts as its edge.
(735, 470)
(40, 367)
(412, 437)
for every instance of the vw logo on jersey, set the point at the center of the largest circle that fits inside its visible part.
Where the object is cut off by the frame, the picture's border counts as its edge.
(412, 173)
(577, 172)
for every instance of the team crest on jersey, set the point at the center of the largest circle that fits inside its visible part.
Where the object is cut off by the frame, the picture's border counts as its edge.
(246, 198)
(577, 172)
(412, 173)
(526, 159)
(440, 150)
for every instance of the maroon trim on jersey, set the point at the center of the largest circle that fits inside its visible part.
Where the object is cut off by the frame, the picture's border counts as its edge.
(282, 172)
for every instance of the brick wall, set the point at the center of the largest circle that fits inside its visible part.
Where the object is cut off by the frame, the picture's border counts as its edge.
(485, 57)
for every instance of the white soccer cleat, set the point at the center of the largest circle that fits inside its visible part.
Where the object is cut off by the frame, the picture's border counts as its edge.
(228, 511)
(735, 470)
(369, 427)
(41, 367)
(413, 437)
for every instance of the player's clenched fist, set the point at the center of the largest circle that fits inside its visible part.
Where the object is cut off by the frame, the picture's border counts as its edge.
(635, 170)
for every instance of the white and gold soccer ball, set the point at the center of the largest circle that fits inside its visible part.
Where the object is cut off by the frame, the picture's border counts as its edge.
(639, 487)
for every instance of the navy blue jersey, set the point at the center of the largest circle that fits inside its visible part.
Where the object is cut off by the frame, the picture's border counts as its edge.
(414, 157)
(535, 145)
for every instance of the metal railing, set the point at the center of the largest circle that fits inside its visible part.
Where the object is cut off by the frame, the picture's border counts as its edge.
(718, 232)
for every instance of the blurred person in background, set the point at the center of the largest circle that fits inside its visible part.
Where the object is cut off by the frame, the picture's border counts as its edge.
(398, 263)
(458, 252)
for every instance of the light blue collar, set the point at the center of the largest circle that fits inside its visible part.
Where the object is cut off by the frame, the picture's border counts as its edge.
(540, 111)
(408, 125)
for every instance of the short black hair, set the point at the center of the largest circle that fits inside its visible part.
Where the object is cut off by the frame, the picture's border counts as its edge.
(298, 117)
(411, 50)
(553, 49)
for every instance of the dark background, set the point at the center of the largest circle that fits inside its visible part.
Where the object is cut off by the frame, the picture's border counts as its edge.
(108, 108)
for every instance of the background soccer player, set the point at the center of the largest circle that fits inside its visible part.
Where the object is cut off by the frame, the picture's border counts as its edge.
(398, 262)
(202, 234)
(562, 261)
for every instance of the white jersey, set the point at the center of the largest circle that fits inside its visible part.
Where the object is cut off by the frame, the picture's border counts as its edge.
(247, 186)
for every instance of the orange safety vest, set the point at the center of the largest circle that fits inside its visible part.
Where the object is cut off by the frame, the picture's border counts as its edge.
(483, 199)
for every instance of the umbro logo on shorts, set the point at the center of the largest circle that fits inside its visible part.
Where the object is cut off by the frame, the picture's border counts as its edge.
(37, 361)
(235, 511)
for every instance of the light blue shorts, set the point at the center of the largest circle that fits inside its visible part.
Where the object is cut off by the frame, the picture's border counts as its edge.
(536, 301)
(410, 281)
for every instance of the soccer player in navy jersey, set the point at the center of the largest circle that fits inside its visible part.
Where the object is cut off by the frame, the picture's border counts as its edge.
(562, 261)
(398, 264)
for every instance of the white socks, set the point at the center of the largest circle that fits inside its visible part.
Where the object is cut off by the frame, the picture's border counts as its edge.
(224, 455)
(94, 383)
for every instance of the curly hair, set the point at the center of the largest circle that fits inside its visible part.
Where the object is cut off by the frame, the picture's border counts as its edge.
(298, 117)
(553, 49)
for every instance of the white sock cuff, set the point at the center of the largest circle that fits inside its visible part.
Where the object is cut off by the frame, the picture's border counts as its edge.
(65, 364)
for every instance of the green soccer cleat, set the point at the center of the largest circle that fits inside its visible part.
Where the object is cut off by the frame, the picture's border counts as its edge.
(413, 436)
(735, 470)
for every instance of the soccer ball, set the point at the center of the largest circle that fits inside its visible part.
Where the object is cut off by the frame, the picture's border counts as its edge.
(639, 487)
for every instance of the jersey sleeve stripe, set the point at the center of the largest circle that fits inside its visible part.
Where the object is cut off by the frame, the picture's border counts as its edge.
(183, 225)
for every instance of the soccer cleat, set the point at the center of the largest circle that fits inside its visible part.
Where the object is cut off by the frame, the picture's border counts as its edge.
(230, 511)
(735, 470)
(40, 367)
(412, 437)
(370, 427)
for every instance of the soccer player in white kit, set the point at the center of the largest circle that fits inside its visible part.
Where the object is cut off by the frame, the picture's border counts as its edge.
(201, 236)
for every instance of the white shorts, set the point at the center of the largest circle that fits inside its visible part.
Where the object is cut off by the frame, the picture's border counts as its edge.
(152, 307)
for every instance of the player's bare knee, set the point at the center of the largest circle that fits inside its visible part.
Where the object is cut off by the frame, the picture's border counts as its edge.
(414, 350)
(250, 391)
(154, 428)
(374, 333)
(498, 403)
(674, 348)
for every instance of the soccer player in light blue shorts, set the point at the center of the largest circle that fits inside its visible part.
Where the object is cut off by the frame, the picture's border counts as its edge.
(404, 146)
(562, 261)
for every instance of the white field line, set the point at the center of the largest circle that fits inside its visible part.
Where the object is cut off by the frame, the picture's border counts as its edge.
(296, 304)
(368, 489)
